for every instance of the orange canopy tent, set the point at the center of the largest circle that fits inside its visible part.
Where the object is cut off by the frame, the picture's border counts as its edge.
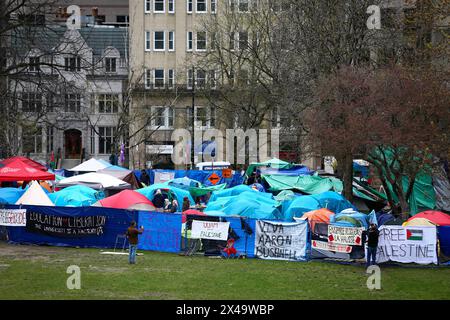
(18, 170)
(317, 216)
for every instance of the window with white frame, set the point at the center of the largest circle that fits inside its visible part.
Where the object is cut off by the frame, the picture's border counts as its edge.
(162, 117)
(213, 6)
(105, 139)
(108, 103)
(31, 139)
(147, 6)
(148, 78)
(72, 102)
(110, 64)
(243, 40)
(212, 79)
(147, 41)
(158, 78)
(171, 78)
(31, 102)
(171, 40)
(232, 4)
(200, 43)
(190, 78)
(205, 117)
(159, 6)
(189, 41)
(189, 6)
(201, 6)
(201, 79)
(171, 6)
(72, 63)
(34, 64)
(159, 41)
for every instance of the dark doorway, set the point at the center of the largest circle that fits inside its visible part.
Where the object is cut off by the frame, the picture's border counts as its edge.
(72, 144)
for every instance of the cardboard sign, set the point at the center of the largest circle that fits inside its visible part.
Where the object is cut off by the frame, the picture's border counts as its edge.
(227, 173)
(210, 230)
(407, 244)
(322, 245)
(13, 217)
(214, 178)
(281, 241)
(345, 235)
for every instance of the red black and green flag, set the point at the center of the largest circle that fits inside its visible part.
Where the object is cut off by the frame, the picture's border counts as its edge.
(414, 235)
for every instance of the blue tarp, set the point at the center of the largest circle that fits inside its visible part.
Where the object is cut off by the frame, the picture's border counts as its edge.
(359, 168)
(162, 231)
(444, 239)
(199, 175)
(234, 191)
(76, 196)
(10, 195)
(355, 219)
(149, 193)
(294, 171)
(116, 222)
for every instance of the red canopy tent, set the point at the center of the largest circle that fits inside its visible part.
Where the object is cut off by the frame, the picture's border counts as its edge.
(18, 170)
(437, 217)
(127, 199)
(27, 161)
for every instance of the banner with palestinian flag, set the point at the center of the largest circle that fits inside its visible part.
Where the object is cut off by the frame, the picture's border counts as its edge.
(407, 244)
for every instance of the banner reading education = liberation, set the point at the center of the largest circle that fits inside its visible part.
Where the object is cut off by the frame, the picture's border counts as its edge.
(281, 241)
(407, 244)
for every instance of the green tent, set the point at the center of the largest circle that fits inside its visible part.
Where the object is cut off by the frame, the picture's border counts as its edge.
(202, 190)
(272, 163)
(305, 184)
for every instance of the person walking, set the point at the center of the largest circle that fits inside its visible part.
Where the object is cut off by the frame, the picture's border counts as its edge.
(372, 244)
(132, 235)
(158, 201)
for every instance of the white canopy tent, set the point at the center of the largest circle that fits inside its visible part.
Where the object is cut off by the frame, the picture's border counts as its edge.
(95, 181)
(91, 165)
(35, 196)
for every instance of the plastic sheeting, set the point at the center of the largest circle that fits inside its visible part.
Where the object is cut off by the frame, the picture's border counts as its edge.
(444, 240)
(76, 196)
(149, 192)
(10, 195)
(162, 231)
(305, 184)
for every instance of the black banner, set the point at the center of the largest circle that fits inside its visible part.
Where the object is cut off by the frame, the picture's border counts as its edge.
(64, 226)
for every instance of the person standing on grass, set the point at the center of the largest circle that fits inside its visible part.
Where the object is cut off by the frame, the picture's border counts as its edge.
(372, 244)
(132, 235)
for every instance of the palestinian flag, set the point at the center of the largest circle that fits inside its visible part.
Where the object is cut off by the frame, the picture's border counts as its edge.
(414, 235)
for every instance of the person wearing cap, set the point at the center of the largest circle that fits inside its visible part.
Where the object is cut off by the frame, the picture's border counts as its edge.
(132, 235)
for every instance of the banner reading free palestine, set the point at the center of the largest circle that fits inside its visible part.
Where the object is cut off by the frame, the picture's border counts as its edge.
(407, 244)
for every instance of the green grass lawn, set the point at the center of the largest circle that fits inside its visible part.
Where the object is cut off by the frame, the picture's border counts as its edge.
(32, 272)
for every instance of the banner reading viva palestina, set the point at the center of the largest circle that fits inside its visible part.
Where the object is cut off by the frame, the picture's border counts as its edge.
(281, 241)
(407, 244)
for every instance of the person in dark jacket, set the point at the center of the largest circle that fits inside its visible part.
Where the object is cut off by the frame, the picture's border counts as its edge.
(132, 235)
(158, 201)
(145, 179)
(372, 244)
(186, 204)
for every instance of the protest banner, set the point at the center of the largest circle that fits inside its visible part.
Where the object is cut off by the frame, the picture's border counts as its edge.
(281, 241)
(345, 235)
(407, 244)
(327, 246)
(210, 230)
(13, 217)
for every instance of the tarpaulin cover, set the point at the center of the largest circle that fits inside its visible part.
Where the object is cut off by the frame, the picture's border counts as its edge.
(10, 195)
(234, 191)
(384, 217)
(250, 204)
(441, 186)
(149, 192)
(355, 219)
(162, 231)
(116, 222)
(272, 163)
(196, 188)
(294, 171)
(359, 168)
(199, 175)
(305, 184)
(444, 239)
(76, 196)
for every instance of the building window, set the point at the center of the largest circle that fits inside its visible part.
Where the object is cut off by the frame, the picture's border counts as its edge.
(190, 78)
(158, 41)
(232, 41)
(31, 102)
(163, 117)
(72, 102)
(158, 6)
(243, 40)
(232, 4)
(212, 117)
(108, 103)
(92, 135)
(201, 6)
(212, 79)
(31, 139)
(189, 6)
(201, 41)
(72, 64)
(50, 139)
(158, 82)
(171, 6)
(171, 41)
(204, 117)
(148, 6)
(110, 64)
(105, 139)
(213, 6)
(201, 79)
(189, 41)
(122, 19)
(147, 41)
(243, 5)
(34, 64)
(171, 78)
(147, 79)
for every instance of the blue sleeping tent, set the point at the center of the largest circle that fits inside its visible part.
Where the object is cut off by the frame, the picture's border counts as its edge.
(149, 192)
(10, 195)
(76, 196)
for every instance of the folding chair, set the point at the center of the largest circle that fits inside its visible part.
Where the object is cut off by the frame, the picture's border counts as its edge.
(118, 238)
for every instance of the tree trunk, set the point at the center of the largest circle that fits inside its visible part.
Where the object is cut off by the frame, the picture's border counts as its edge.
(347, 176)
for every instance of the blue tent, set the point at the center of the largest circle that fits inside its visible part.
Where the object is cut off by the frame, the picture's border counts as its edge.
(76, 196)
(149, 192)
(184, 183)
(333, 201)
(230, 192)
(298, 206)
(10, 195)
(354, 219)
(294, 171)
(258, 187)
